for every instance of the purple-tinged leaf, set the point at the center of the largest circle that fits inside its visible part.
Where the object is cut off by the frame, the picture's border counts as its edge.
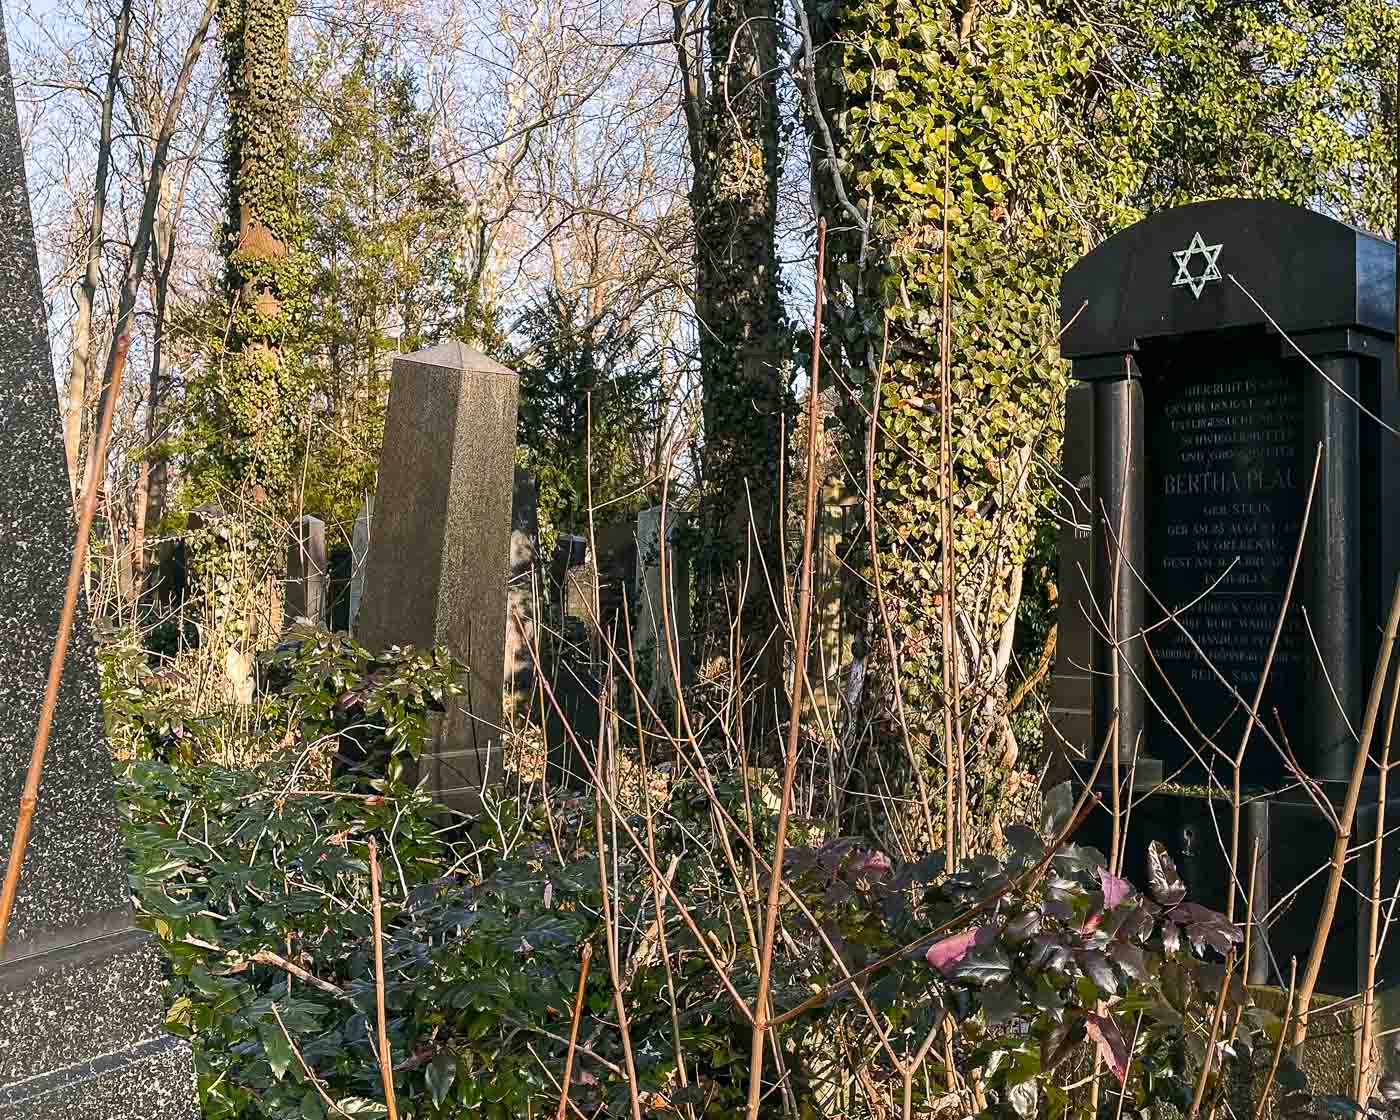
(1114, 1051)
(1047, 952)
(1137, 922)
(1024, 840)
(1162, 877)
(1000, 1002)
(871, 865)
(947, 952)
(1115, 889)
(1171, 938)
(1044, 997)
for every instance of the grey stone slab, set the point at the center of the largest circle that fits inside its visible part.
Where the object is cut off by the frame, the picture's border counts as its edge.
(152, 1080)
(359, 558)
(437, 574)
(81, 1019)
(74, 881)
(524, 599)
(307, 572)
(79, 1003)
(649, 637)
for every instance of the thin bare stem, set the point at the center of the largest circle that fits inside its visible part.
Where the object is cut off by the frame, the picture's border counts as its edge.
(1267, 1085)
(386, 1065)
(1215, 1022)
(584, 960)
(804, 624)
(1346, 819)
(1259, 688)
(316, 1082)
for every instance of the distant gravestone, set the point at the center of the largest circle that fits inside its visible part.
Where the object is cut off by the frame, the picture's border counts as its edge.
(655, 593)
(307, 572)
(580, 590)
(1190, 438)
(441, 530)
(359, 559)
(523, 601)
(82, 1018)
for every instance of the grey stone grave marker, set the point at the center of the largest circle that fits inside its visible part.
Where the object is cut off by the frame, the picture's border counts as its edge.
(82, 1031)
(1190, 438)
(307, 572)
(359, 558)
(523, 601)
(650, 641)
(441, 531)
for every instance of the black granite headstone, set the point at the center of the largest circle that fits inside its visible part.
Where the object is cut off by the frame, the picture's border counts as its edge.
(1224, 506)
(81, 1015)
(1215, 347)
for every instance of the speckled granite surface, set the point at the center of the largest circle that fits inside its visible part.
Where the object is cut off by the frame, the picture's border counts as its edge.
(75, 873)
(81, 1017)
(77, 1004)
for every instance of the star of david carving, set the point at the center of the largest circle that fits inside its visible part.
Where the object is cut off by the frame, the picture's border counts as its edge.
(1210, 272)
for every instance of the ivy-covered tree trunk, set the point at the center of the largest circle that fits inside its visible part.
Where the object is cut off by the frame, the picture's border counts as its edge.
(733, 119)
(259, 413)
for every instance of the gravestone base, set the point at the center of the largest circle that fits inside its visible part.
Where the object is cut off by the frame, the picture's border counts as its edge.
(1294, 839)
(82, 1035)
(1330, 1055)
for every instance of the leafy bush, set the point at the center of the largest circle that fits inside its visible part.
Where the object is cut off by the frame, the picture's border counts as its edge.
(988, 990)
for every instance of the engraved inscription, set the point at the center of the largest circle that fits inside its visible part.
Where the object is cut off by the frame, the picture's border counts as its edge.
(1225, 510)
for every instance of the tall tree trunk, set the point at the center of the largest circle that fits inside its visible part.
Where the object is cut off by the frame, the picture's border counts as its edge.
(79, 374)
(743, 364)
(135, 271)
(262, 419)
(151, 475)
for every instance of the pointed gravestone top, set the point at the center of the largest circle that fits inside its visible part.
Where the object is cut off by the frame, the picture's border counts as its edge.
(81, 1015)
(454, 354)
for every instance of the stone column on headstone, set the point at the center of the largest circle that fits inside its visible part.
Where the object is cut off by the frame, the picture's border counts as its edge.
(306, 572)
(359, 558)
(650, 642)
(82, 1017)
(441, 533)
(1331, 576)
(1120, 664)
(523, 600)
(1072, 686)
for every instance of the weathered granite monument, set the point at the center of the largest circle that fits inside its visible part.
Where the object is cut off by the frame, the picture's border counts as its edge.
(1214, 348)
(82, 1030)
(437, 571)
